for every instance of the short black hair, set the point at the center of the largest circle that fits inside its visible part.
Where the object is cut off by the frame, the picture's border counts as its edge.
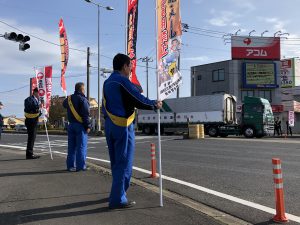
(35, 90)
(120, 60)
(78, 86)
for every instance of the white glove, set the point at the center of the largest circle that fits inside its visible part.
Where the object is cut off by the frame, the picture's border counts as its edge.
(44, 115)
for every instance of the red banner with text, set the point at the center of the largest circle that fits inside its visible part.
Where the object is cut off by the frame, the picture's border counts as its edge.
(44, 84)
(64, 47)
(132, 39)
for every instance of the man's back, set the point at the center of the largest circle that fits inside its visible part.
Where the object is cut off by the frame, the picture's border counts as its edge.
(31, 105)
(121, 96)
(81, 106)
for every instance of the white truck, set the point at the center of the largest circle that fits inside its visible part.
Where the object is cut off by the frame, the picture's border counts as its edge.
(216, 112)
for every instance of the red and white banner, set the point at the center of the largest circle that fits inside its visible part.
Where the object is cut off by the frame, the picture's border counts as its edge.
(168, 47)
(291, 118)
(132, 39)
(44, 84)
(245, 47)
(64, 47)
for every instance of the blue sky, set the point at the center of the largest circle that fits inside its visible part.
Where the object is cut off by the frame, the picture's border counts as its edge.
(40, 18)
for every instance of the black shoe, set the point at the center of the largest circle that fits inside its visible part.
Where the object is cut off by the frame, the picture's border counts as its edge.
(127, 205)
(33, 157)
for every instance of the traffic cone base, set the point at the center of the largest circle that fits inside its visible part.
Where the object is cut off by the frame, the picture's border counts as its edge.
(280, 219)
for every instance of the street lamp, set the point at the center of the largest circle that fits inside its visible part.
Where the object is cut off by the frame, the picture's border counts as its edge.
(99, 100)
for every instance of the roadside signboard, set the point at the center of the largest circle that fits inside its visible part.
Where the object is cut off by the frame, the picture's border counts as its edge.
(259, 75)
(287, 73)
(245, 47)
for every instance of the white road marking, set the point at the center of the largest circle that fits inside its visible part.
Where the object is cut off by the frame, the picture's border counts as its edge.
(194, 186)
(277, 140)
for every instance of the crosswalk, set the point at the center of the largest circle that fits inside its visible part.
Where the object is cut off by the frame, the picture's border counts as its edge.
(59, 143)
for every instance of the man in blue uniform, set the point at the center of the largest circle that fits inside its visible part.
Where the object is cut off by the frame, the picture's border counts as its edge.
(120, 98)
(78, 108)
(32, 113)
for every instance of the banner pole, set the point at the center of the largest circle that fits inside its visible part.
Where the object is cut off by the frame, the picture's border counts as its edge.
(48, 139)
(159, 159)
(158, 112)
(126, 25)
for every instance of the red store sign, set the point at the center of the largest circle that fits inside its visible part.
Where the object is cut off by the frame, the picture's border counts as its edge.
(277, 108)
(243, 47)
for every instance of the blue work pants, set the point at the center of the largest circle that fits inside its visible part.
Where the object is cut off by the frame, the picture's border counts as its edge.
(77, 146)
(120, 141)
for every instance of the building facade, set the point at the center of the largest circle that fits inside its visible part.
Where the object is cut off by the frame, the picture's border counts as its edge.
(228, 77)
(234, 77)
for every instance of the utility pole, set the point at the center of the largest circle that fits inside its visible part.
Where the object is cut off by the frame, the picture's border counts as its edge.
(88, 74)
(30, 87)
(147, 60)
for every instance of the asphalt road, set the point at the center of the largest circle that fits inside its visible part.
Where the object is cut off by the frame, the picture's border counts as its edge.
(234, 166)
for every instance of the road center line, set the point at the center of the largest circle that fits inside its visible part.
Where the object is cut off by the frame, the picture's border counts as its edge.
(191, 185)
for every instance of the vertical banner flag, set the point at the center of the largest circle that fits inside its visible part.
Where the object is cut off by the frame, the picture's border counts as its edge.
(169, 45)
(44, 84)
(291, 118)
(132, 38)
(64, 47)
(33, 84)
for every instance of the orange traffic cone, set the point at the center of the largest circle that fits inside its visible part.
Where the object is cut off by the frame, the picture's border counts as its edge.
(153, 161)
(280, 216)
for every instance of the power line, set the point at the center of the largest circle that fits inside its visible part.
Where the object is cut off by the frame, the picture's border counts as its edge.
(15, 89)
(36, 37)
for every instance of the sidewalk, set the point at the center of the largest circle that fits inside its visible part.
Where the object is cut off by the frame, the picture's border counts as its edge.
(43, 192)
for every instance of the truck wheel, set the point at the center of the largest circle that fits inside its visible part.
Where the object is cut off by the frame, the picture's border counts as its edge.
(212, 132)
(249, 132)
(147, 130)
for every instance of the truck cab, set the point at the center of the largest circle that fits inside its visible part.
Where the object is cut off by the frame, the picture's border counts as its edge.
(257, 118)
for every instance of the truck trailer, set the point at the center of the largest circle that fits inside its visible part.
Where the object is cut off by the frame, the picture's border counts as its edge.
(216, 112)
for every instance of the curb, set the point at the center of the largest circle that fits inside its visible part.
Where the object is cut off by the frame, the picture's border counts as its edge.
(217, 215)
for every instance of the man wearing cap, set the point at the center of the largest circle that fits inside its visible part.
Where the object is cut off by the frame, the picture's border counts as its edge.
(78, 109)
(1, 120)
(120, 98)
(32, 113)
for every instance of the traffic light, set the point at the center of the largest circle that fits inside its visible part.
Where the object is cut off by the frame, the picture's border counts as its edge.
(10, 36)
(18, 38)
(24, 46)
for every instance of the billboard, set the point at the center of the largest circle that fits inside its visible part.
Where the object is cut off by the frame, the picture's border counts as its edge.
(287, 73)
(245, 47)
(259, 75)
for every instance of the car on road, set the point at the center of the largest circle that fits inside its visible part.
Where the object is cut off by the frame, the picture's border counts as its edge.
(20, 128)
